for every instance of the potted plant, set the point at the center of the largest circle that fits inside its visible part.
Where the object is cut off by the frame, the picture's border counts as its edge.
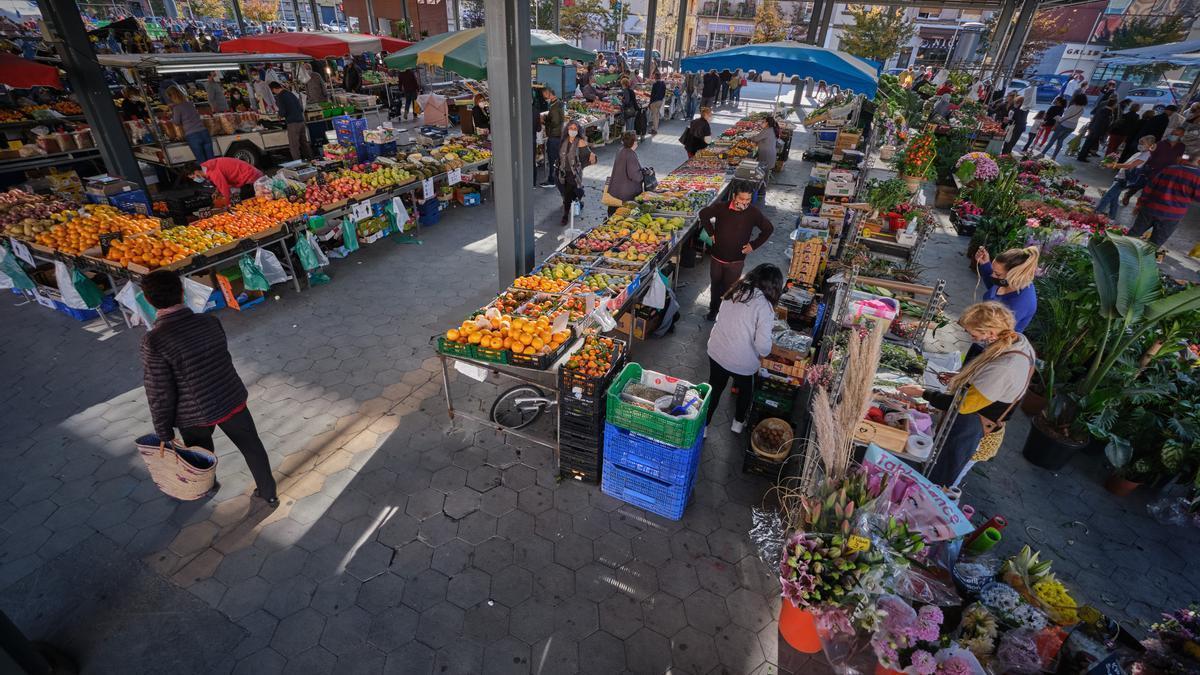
(915, 161)
(1131, 304)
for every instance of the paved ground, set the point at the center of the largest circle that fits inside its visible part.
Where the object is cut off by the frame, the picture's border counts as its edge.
(406, 544)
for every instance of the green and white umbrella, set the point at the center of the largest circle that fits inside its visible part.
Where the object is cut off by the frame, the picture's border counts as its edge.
(465, 52)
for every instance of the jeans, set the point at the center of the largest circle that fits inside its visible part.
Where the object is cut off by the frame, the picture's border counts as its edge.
(724, 96)
(961, 444)
(552, 146)
(240, 429)
(1163, 228)
(722, 275)
(736, 94)
(690, 106)
(718, 377)
(1110, 203)
(1056, 140)
(201, 144)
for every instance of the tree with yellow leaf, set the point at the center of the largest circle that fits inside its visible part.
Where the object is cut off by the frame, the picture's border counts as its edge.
(215, 9)
(262, 11)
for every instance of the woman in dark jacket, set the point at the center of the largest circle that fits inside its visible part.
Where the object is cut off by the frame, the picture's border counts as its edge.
(1098, 129)
(573, 155)
(1142, 129)
(698, 133)
(480, 117)
(1018, 118)
(1125, 125)
(625, 183)
(629, 104)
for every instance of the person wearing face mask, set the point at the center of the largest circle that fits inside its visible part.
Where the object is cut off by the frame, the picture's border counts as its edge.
(226, 173)
(480, 116)
(698, 133)
(1009, 281)
(1166, 153)
(625, 182)
(994, 381)
(573, 155)
(1111, 201)
(731, 228)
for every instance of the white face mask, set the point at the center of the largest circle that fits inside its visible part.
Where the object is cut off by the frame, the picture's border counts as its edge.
(572, 133)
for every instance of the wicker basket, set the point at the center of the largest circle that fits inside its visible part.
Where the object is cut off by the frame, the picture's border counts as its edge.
(186, 474)
(772, 454)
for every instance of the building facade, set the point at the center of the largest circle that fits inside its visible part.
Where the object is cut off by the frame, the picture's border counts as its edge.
(938, 32)
(728, 23)
(425, 17)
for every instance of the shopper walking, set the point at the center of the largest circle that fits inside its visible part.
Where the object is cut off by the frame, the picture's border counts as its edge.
(1065, 125)
(574, 154)
(351, 76)
(1009, 281)
(555, 115)
(293, 115)
(1049, 119)
(690, 83)
(767, 139)
(191, 383)
(185, 115)
(658, 96)
(480, 116)
(625, 181)
(1131, 142)
(1167, 152)
(710, 87)
(410, 86)
(993, 381)
(1110, 203)
(725, 78)
(735, 87)
(629, 104)
(698, 133)
(1018, 118)
(1102, 120)
(1125, 126)
(732, 226)
(1166, 200)
(217, 102)
(741, 337)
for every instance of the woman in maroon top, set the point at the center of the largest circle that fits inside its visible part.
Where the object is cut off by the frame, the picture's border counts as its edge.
(731, 226)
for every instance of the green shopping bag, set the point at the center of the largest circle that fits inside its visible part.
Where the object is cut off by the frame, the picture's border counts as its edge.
(704, 237)
(304, 251)
(87, 289)
(253, 278)
(11, 274)
(349, 234)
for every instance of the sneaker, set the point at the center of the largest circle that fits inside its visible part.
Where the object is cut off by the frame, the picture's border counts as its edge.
(711, 316)
(546, 184)
(737, 427)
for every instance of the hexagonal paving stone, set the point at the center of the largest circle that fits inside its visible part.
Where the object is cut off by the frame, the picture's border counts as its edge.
(240, 565)
(739, 649)
(748, 610)
(448, 479)
(486, 622)
(620, 615)
(573, 551)
(461, 656)
(512, 585)
(650, 547)
(693, 651)
(425, 590)
(262, 662)
(346, 631)
(531, 620)
(729, 546)
(706, 611)
(688, 545)
(499, 501)
(664, 613)
(595, 581)
(298, 631)
(312, 660)
(553, 524)
(412, 559)
(284, 564)
(437, 530)
(515, 525)
(289, 596)
(648, 652)
(612, 549)
(482, 477)
(244, 597)
(370, 560)
(469, 588)
(461, 502)
(452, 557)
(502, 456)
(399, 529)
(590, 523)
(469, 458)
(519, 477)
(413, 657)
(554, 583)
(425, 503)
(506, 657)
(535, 500)
(572, 497)
(678, 578)
(493, 555)
(381, 593)
(477, 527)
(440, 625)
(393, 628)
(576, 617)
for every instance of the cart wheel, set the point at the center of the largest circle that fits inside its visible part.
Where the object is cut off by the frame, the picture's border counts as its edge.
(246, 152)
(507, 413)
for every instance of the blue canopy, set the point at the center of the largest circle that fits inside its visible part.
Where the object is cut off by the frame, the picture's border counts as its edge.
(793, 58)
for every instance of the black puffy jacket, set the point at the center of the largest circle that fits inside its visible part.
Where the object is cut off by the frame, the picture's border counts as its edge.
(188, 373)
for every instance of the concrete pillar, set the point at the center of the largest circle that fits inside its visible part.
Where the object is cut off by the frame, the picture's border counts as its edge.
(814, 21)
(680, 28)
(316, 14)
(1012, 50)
(826, 19)
(507, 32)
(65, 27)
(237, 15)
(296, 13)
(651, 20)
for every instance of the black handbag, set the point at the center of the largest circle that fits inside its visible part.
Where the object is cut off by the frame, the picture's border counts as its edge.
(649, 180)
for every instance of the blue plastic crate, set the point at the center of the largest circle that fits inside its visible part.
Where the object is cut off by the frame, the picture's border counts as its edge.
(133, 201)
(647, 456)
(349, 130)
(651, 494)
(108, 305)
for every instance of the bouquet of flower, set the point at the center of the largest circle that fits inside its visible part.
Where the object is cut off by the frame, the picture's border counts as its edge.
(967, 209)
(977, 166)
(1175, 646)
(977, 631)
(910, 640)
(916, 159)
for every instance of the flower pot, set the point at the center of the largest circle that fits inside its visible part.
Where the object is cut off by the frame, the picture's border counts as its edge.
(1033, 403)
(1048, 450)
(1120, 486)
(912, 182)
(881, 669)
(946, 196)
(798, 628)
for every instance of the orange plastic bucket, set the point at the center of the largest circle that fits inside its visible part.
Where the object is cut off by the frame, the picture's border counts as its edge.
(798, 628)
(881, 669)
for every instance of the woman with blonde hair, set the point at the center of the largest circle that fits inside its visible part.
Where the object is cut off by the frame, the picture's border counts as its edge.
(993, 382)
(1009, 281)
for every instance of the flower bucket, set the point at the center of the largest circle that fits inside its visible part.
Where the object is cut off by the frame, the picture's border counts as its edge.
(798, 628)
(1120, 486)
(912, 182)
(881, 669)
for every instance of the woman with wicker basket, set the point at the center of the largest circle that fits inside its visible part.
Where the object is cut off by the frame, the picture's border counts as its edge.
(741, 337)
(994, 381)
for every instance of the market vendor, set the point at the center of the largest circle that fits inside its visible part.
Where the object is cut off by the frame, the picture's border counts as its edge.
(227, 173)
(767, 139)
(1009, 281)
(480, 117)
(731, 226)
(994, 381)
(132, 106)
(293, 115)
(217, 102)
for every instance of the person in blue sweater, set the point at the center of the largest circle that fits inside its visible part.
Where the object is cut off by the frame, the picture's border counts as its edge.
(1009, 280)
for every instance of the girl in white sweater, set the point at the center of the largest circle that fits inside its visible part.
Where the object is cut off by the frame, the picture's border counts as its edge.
(742, 336)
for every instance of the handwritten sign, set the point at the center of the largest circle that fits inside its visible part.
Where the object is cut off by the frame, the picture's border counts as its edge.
(427, 188)
(454, 176)
(360, 211)
(21, 251)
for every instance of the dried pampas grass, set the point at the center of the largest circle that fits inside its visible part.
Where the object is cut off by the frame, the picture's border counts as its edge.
(834, 426)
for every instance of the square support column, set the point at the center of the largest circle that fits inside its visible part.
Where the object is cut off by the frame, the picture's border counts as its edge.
(509, 56)
(651, 21)
(1012, 51)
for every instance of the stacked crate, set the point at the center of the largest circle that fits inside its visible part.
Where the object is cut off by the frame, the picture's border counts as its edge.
(581, 411)
(773, 397)
(651, 459)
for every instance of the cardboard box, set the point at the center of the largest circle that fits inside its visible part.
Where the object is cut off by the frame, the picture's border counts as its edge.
(786, 368)
(643, 319)
(107, 187)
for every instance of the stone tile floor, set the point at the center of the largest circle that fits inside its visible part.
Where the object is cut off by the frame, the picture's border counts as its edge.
(408, 544)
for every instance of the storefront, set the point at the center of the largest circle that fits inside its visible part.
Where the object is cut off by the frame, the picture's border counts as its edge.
(721, 34)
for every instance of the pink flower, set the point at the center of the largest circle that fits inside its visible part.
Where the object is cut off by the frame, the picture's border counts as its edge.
(955, 665)
(932, 614)
(923, 662)
(885, 653)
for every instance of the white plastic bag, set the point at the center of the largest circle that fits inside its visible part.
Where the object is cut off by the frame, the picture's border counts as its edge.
(312, 241)
(195, 295)
(130, 296)
(70, 296)
(271, 267)
(656, 296)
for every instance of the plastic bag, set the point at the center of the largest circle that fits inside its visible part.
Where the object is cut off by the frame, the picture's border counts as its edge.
(130, 296)
(304, 251)
(195, 295)
(11, 273)
(349, 234)
(253, 278)
(87, 289)
(656, 296)
(270, 266)
(66, 287)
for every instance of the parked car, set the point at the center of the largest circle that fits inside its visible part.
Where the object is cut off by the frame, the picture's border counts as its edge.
(1152, 96)
(634, 58)
(1048, 86)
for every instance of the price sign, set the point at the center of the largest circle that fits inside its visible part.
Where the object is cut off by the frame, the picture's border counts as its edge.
(454, 177)
(360, 211)
(401, 212)
(858, 543)
(22, 252)
(106, 241)
(1109, 666)
(427, 188)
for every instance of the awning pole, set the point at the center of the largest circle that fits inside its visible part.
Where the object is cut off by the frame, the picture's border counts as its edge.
(648, 56)
(680, 27)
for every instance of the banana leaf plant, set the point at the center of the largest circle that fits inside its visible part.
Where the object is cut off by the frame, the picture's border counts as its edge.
(1131, 305)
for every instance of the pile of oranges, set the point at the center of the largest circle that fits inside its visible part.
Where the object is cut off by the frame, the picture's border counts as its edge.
(83, 232)
(237, 224)
(278, 210)
(595, 358)
(155, 249)
(501, 331)
(539, 283)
